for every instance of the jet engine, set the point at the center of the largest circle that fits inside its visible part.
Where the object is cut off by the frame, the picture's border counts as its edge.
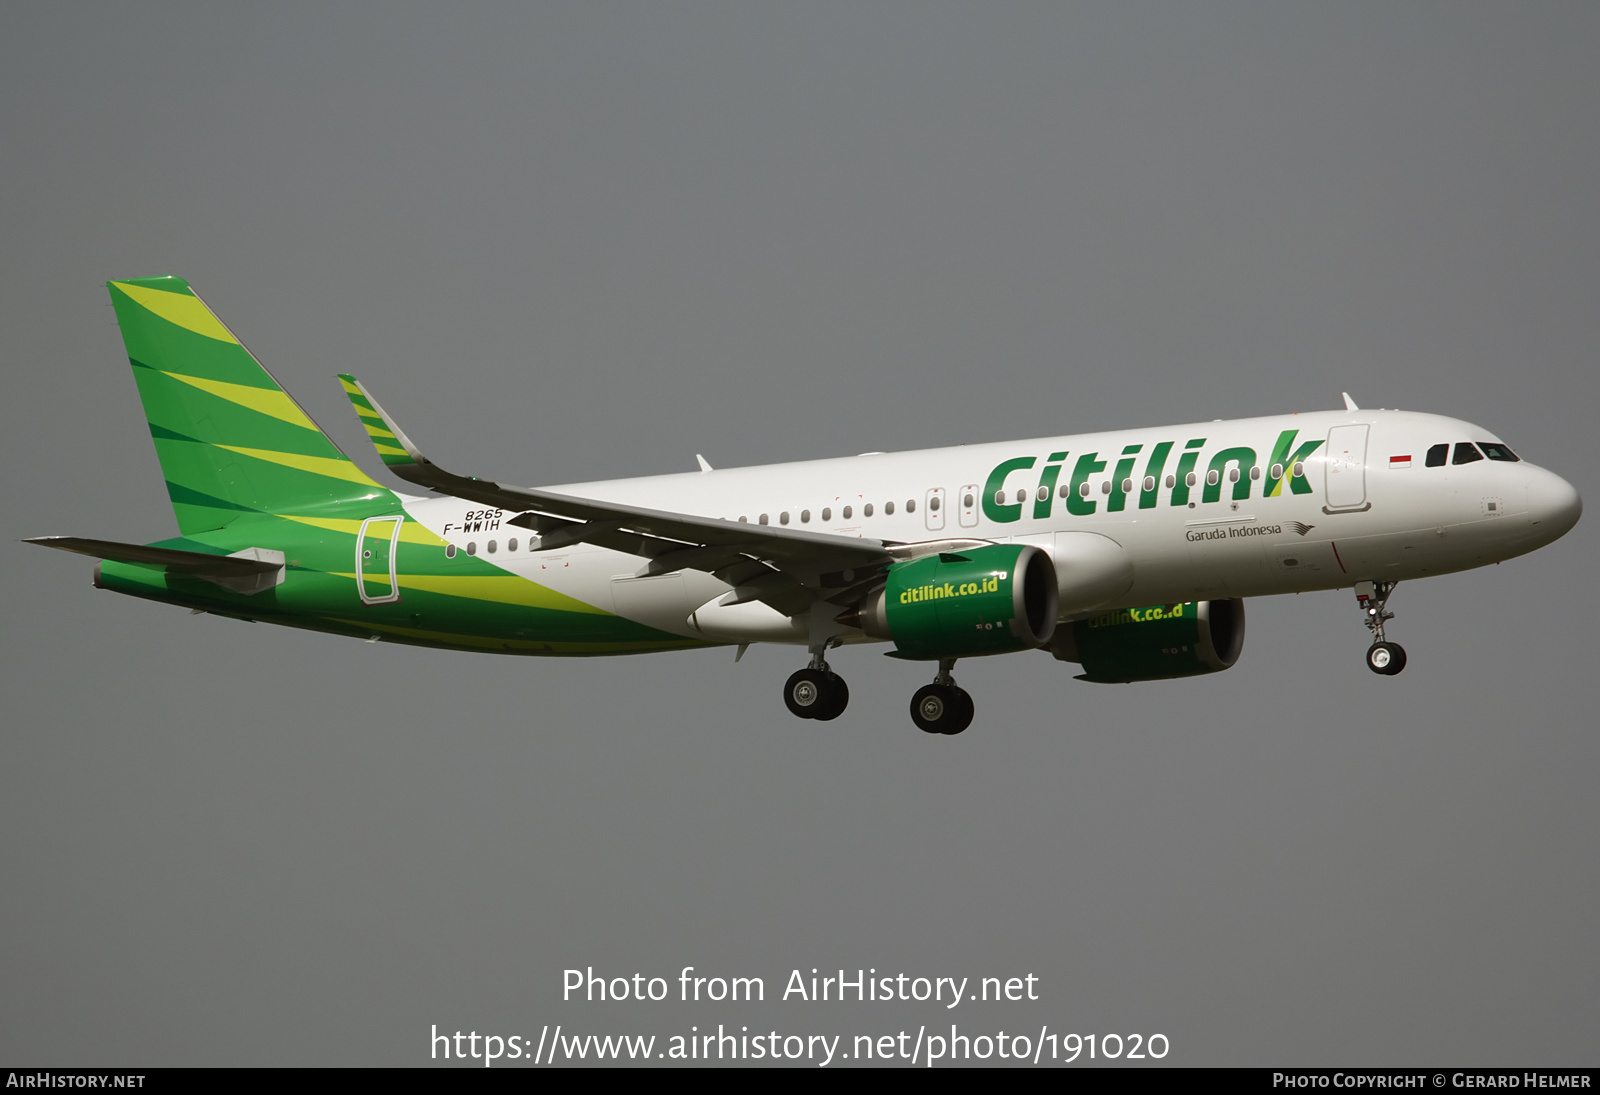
(1153, 644)
(984, 600)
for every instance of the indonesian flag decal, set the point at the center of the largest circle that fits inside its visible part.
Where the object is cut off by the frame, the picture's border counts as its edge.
(1400, 461)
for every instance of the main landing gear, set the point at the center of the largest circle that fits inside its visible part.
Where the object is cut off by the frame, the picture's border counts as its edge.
(1382, 656)
(942, 707)
(816, 692)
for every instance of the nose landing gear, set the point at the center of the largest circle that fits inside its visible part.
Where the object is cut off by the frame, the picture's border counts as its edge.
(1383, 657)
(942, 707)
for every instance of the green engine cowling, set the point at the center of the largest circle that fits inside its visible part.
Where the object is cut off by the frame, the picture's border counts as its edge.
(1156, 643)
(985, 600)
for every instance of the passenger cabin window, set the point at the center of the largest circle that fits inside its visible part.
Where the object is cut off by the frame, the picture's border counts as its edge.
(1466, 453)
(888, 508)
(1496, 451)
(1437, 455)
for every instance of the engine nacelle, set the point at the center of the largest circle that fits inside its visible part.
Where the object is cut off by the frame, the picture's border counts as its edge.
(1153, 644)
(985, 600)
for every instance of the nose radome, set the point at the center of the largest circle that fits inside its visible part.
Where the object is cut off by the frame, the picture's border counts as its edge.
(1553, 503)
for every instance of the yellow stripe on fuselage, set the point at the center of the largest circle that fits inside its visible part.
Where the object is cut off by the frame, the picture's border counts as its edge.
(500, 589)
(410, 532)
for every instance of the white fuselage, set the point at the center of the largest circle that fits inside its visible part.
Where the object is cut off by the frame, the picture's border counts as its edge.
(1364, 506)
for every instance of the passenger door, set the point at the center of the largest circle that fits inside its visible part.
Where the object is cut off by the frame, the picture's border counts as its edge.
(1346, 469)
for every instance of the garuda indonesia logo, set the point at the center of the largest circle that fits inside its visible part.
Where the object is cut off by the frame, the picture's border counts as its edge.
(1297, 527)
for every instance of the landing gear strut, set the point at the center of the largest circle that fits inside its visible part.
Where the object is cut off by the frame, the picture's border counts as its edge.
(1382, 656)
(942, 707)
(816, 692)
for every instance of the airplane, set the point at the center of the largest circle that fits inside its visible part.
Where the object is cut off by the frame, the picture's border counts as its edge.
(1129, 553)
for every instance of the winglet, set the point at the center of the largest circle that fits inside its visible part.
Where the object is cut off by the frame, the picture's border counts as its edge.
(1349, 404)
(705, 465)
(394, 447)
(402, 457)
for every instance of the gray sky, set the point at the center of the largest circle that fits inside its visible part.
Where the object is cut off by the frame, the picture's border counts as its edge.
(579, 241)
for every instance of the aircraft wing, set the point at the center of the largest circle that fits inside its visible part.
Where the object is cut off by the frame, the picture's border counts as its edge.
(785, 568)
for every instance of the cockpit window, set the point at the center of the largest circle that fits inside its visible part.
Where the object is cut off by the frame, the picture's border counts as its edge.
(1439, 455)
(1496, 451)
(1466, 453)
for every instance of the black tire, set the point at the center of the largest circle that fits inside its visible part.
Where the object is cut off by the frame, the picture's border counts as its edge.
(806, 693)
(965, 709)
(835, 700)
(941, 709)
(1386, 659)
(929, 705)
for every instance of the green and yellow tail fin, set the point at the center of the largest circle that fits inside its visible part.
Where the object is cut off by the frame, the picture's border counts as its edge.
(230, 440)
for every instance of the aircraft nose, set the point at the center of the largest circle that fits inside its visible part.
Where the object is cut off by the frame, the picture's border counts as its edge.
(1553, 504)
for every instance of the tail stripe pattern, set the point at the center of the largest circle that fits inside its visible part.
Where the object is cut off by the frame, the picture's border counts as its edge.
(387, 444)
(229, 438)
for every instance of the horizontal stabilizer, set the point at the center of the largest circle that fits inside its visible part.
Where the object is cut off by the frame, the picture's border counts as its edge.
(250, 571)
(195, 562)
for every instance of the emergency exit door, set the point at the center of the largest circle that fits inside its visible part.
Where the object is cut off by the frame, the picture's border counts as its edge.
(377, 550)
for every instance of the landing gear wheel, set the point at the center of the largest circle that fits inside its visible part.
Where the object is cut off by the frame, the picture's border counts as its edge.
(804, 691)
(1383, 657)
(941, 709)
(835, 699)
(1386, 658)
(816, 694)
(968, 709)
